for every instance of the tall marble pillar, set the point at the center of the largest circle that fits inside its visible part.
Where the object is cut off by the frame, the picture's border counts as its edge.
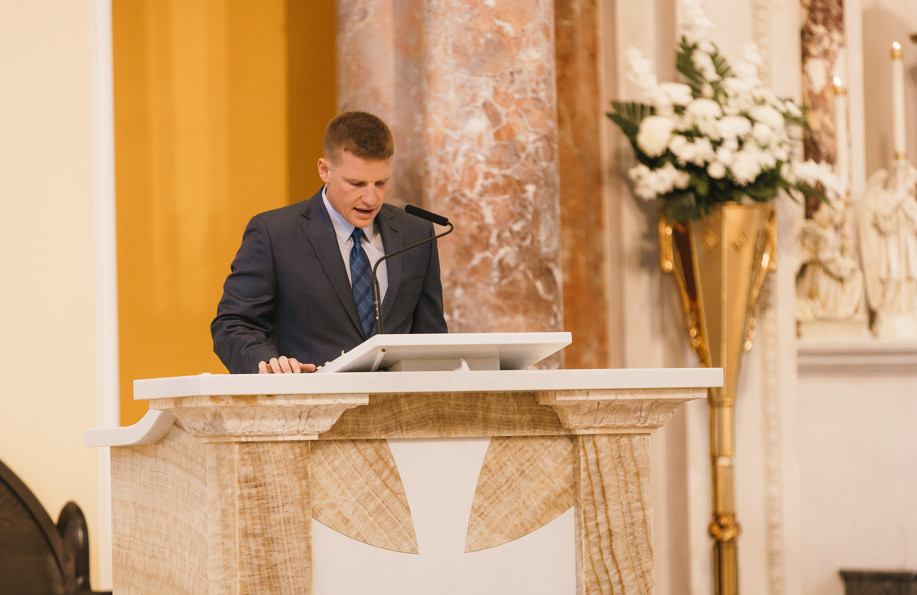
(583, 158)
(380, 70)
(822, 47)
(469, 89)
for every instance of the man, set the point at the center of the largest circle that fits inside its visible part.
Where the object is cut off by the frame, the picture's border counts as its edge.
(289, 304)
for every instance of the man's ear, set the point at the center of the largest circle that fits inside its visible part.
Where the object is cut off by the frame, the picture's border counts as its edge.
(324, 168)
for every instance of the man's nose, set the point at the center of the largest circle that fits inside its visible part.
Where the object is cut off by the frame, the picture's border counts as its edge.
(370, 193)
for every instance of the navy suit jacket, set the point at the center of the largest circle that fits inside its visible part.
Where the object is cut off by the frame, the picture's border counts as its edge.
(289, 294)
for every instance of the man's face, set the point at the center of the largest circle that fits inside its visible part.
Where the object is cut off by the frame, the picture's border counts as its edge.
(355, 187)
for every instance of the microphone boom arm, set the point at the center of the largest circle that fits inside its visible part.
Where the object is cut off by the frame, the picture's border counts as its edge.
(377, 301)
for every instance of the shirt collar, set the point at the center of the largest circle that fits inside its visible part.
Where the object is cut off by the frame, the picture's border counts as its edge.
(343, 228)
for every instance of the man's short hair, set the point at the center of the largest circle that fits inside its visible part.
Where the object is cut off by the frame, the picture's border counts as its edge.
(359, 133)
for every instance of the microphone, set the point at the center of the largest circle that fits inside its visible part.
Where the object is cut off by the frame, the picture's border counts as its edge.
(431, 217)
(417, 212)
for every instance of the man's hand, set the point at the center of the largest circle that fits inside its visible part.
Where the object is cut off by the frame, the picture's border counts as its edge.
(284, 365)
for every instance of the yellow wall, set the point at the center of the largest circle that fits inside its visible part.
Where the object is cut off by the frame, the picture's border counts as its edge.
(47, 313)
(219, 110)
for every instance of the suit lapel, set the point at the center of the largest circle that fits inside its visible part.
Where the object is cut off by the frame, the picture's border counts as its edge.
(319, 232)
(392, 240)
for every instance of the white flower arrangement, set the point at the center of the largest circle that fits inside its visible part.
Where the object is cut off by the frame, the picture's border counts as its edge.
(718, 137)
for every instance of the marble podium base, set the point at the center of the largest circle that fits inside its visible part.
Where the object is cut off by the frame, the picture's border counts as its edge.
(221, 490)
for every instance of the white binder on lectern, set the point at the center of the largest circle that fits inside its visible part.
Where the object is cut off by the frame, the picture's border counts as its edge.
(449, 351)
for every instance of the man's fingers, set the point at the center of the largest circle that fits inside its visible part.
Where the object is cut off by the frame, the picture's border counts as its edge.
(299, 367)
(284, 365)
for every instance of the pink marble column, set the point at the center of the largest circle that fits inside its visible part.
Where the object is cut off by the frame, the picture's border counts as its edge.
(822, 41)
(490, 129)
(380, 70)
(583, 158)
(469, 89)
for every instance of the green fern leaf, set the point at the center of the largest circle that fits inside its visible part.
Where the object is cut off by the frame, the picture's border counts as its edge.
(723, 70)
(628, 115)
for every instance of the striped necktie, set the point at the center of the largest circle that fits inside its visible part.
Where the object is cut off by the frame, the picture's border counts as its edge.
(361, 280)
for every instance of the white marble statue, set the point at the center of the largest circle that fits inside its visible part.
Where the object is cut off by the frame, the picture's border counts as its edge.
(829, 282)
(888, 241)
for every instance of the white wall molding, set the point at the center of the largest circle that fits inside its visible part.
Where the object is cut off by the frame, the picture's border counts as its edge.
(772, 443)
(869, 358)
(770, 364)
(105, 256)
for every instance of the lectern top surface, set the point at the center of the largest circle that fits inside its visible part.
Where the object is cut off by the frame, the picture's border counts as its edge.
(513, 351)
(440, 382)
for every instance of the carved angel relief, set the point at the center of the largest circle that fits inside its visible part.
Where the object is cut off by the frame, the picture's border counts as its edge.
(888, 236)
(829, 282)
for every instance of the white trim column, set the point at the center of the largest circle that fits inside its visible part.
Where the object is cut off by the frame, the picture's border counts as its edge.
(106, 271)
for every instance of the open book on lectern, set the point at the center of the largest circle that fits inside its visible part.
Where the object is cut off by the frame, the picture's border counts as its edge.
(449, 351)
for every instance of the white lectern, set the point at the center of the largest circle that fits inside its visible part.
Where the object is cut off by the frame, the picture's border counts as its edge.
(216, 489)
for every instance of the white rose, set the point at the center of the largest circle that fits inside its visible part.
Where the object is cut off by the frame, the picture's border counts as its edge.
(681, 148)
(662, 103)
(650, 183)
(654, 134)
(766, 96)
(702, 151)
(730, 144)
(640, 70)
(672, 178)
(780, 137)
(702, 114)
(677, 93)
(736, 87)
(740, 104)
(698, 151)
(763, 159)
(767, 115)
(683, 123)
(716, 170)
(792, 109)
(704, 64)
(732, 109)
(725, 155)
(704, 108)
(745, 167)
(766, 159)
(734, 127)
(640, 175)
(763, 134)
(812, 173)
(695, 24)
